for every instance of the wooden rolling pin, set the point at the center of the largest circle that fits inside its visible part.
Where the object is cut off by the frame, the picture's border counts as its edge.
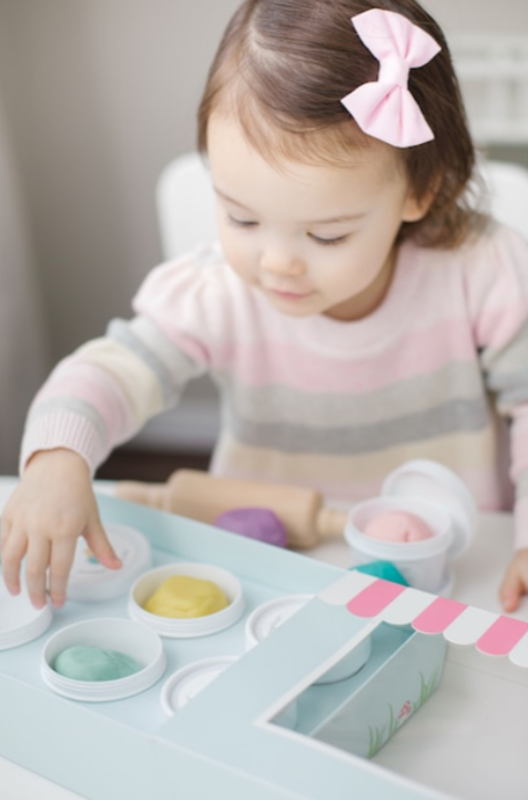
(203, 497)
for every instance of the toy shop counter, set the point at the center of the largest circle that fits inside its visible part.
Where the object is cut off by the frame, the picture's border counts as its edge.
(498, 707)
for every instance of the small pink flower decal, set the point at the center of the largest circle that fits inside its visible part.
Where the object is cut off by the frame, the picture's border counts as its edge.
(405, 710)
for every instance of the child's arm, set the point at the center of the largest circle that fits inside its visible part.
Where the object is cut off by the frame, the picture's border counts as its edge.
(497, 291)
(53, 505)
(97, 398)
(515, 582)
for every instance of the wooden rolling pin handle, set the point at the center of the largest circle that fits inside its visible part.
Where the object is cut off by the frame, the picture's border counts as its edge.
(330, 522)
(154, 495)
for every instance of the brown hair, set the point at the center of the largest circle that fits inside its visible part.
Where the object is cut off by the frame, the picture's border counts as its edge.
(283, 66)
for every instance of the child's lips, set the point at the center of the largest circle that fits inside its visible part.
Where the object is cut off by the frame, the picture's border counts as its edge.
(288, 295)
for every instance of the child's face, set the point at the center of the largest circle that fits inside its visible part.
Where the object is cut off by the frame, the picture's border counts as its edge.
(314, 239)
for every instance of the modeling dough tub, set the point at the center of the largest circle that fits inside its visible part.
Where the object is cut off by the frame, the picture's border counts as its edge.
(146, 585)
(123, 635)
(435, 495)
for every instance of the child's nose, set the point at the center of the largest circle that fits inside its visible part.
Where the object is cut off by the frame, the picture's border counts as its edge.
(281, 262)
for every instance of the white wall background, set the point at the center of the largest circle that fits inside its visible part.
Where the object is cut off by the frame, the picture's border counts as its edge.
(473, 16)
(98, 96)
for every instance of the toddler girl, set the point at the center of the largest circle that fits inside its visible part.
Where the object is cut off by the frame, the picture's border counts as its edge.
(357, 313)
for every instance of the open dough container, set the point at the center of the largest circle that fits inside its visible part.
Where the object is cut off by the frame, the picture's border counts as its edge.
(267, 726)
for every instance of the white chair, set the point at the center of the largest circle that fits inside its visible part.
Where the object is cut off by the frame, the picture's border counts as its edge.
(187, 215)
(507, 185)
(185, 205)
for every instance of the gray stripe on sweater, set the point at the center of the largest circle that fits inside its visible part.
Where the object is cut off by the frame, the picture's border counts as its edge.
(507, 370)
(456, 416)
(279, 403)
(171, 366)
(61, 403)
(512, 390)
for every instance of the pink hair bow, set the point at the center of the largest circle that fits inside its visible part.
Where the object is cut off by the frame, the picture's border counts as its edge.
(385, 109)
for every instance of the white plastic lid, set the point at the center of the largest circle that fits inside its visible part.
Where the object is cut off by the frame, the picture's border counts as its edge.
(432, 482)
(20, 622)
(184, 684)
(269, 616)
(91, 581)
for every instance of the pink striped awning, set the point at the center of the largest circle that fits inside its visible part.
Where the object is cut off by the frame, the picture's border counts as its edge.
(370, 597)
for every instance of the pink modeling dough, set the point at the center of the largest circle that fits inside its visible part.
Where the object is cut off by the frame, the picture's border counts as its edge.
(398, 526)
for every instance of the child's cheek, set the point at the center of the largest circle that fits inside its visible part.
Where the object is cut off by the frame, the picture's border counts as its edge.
(237, 255)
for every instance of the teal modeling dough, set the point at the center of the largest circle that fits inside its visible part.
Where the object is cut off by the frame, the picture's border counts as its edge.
(83, 663)
(383, 569)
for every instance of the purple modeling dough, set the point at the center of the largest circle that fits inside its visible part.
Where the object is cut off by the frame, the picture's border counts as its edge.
(255, 523)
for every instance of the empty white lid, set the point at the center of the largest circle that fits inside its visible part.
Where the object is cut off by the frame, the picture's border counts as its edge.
(269, 616)
(20, 622)
(184, 684)
(91, 581)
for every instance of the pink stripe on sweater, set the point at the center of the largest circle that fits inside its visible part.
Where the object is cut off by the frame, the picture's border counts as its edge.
(501, 327)
(501, 321)
(419, 353)
(81, 379)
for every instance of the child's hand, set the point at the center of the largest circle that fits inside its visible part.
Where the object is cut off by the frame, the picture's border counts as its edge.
(515, 581)
(53, 505)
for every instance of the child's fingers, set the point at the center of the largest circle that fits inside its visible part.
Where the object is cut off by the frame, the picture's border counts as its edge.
(14, 548)
(510, 600)
(511, 590)
(37, 560)
(5, 527)
(98, 543)
(62, 555)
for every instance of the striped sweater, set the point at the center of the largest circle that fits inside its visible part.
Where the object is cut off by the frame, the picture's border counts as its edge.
(438, 371)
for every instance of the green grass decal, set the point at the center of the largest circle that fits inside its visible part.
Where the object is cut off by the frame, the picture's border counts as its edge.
(378, 736)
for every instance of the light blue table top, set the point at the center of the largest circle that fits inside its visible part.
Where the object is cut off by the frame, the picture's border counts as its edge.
(477, 574)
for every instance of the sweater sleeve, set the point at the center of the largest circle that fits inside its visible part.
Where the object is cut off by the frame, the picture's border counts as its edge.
(497, 284)
(105, 392)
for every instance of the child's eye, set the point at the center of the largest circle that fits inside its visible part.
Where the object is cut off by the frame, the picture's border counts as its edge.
(325, 242)
(242, 223)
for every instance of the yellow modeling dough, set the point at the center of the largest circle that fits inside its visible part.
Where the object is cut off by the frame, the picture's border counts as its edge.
(185, 597)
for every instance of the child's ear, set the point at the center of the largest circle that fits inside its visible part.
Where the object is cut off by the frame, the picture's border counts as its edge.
(415, 208)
